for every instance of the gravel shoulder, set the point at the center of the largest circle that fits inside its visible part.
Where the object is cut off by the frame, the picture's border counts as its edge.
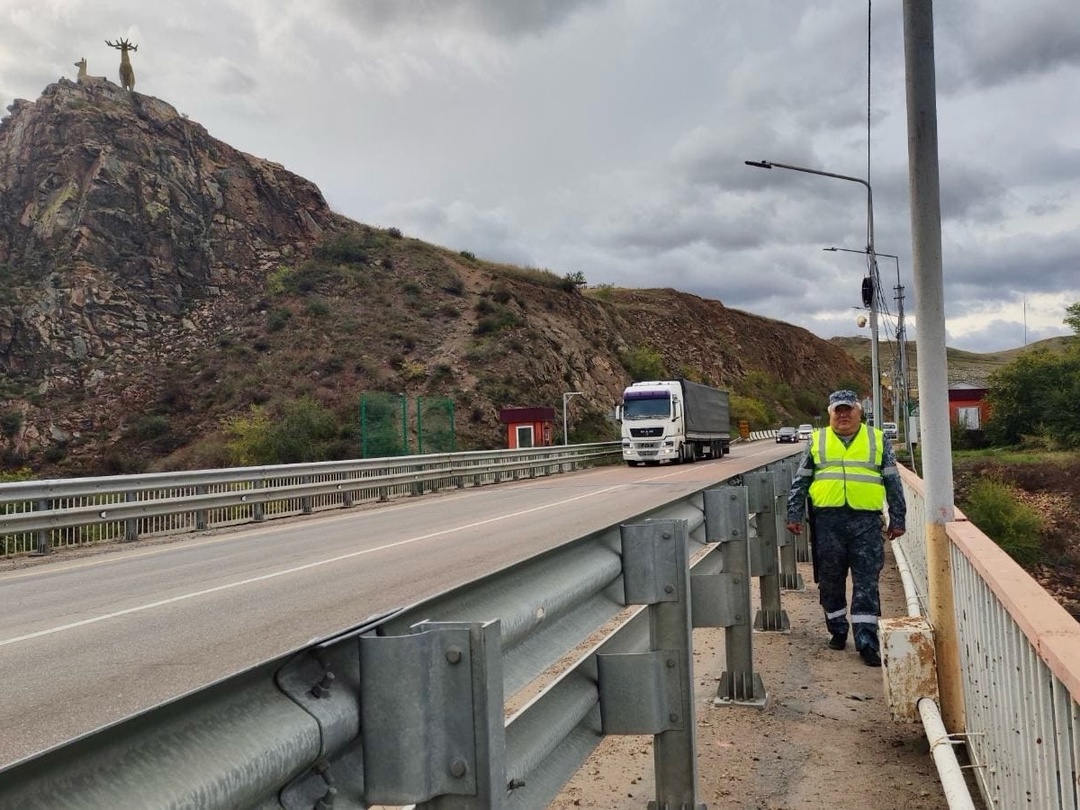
(825, 738)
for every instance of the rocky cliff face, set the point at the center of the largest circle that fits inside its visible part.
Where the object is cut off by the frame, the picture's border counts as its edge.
(117, 213)
(155, 282)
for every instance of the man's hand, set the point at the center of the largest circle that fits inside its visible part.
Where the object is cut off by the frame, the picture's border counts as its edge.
(795, 528)
(893, 532)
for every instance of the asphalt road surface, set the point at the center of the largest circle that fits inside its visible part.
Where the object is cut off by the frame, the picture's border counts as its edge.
(87, 638)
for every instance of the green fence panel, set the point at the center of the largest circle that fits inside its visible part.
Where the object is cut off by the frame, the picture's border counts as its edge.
(383, 425)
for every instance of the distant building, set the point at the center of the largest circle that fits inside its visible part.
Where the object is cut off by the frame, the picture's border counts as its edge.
(968, 406)
(528, 427)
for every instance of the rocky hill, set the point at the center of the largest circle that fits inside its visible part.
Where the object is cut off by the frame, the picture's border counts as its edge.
(155, 282)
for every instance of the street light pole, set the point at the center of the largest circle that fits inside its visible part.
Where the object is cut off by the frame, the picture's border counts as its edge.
(872, 256)
(566, 397)
(899, 403)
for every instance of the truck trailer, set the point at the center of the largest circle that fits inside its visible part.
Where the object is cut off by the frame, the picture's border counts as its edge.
(673, 420)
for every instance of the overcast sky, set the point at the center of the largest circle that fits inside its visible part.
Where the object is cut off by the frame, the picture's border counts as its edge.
(608, 136)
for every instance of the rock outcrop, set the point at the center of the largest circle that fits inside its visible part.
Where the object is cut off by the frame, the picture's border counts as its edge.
(118, 214)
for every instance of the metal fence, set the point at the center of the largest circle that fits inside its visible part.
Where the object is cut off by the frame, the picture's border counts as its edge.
(37, 516)
(1020, 667)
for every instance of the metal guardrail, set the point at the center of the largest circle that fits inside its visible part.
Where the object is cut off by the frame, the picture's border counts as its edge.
(409, 707)
(38, 516)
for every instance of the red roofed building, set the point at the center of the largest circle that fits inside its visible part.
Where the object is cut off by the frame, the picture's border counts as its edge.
(528, 427)
(968, 406)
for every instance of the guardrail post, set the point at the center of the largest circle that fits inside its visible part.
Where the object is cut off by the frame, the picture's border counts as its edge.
(762, 502)
(43, 545)
(727, 523)
(202, 516)
(790, 578)
(258, 509)
(131, 525)
(431, 717)
(305, 502)
(653, 692)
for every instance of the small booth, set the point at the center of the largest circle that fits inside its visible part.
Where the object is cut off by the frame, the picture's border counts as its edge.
(528, 427)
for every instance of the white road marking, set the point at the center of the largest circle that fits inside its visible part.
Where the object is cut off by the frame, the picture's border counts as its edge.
(296, 569)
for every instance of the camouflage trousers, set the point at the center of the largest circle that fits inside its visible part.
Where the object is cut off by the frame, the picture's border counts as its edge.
(849, 540)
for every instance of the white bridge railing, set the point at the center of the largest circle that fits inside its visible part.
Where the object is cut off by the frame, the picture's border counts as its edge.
(1020, 667)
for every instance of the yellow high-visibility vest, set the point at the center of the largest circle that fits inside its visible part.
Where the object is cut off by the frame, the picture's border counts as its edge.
(848, 476)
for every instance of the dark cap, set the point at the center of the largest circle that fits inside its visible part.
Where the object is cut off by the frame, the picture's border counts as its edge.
(844, 397)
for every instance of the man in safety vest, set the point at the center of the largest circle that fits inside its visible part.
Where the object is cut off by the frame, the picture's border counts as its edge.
(849, 475)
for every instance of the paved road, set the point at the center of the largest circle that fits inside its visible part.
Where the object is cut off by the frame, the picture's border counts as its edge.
(85, 641)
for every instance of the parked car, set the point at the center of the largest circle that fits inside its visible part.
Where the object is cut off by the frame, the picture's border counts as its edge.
(787, 434)
(890, 430)
(805, 432)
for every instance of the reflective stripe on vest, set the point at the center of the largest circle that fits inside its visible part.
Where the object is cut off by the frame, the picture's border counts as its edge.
(849, 475)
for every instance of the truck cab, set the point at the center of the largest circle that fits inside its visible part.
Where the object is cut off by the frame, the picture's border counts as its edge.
(651, 423)
(673, 420)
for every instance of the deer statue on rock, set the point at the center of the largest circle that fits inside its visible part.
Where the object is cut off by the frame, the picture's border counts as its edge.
(127, 73)
(83, 78)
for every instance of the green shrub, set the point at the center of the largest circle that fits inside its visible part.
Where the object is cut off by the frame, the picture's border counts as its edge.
(489, 324)
(317, 308)
(20, 474)
(605, 292)
(455, 285)
(994, 507)
(279, 280)
(643, 363)
(344, 247)
(302, 431)
(572, 281)
(148, 427)
(10, 422)
(276, 319)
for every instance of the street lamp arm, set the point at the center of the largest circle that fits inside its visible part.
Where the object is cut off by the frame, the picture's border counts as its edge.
(768, 164)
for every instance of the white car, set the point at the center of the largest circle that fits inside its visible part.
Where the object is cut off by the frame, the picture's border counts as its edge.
(805, 432)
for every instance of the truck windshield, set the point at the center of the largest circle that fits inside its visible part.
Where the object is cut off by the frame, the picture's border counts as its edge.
(647, 406)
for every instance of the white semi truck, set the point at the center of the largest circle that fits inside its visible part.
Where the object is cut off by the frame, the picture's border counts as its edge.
(673, 420)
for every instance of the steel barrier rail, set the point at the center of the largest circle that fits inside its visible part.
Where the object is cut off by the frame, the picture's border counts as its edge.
(312, 726)
(41, 514)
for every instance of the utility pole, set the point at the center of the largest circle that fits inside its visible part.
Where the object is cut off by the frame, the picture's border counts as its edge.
(925, 191)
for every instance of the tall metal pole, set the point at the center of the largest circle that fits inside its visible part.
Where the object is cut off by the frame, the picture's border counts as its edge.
(925, 192)
(872, 256)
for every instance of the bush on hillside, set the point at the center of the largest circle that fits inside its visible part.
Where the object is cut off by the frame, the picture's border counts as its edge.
(1017, 528)
(303, 432)
(643, 363)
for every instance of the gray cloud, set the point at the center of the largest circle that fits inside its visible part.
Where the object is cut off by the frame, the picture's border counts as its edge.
(491, 17)
(608, 136)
